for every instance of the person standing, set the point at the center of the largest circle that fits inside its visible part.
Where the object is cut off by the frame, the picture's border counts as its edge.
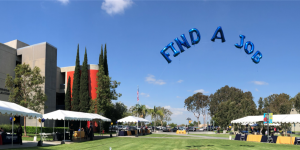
(71, 131)
(91, 132)
(19, 134)
(86, 131)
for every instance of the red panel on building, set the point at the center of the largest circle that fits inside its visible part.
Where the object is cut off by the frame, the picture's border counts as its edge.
(92, 87)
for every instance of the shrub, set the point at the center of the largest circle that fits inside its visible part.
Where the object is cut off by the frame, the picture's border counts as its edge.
(32, 129)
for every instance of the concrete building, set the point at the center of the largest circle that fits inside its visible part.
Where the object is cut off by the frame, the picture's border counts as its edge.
(44, 56)
(295, 127)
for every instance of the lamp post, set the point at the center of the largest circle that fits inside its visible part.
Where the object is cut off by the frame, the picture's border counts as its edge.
(188, 124)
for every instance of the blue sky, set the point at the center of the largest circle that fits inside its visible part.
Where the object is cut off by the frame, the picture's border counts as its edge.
(136, 31)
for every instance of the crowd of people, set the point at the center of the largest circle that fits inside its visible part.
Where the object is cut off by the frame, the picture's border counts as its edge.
(88, 131)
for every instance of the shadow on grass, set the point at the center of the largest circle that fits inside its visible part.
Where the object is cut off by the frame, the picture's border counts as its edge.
(247, 145)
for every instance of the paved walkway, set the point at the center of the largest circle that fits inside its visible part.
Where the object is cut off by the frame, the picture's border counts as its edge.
(27, 144)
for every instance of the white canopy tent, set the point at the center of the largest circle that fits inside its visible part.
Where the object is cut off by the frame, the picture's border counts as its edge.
(284, 118)
(13, 109)
(132, 119)
(73, 115)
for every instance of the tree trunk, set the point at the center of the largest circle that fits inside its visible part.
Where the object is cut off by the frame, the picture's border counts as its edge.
(198, 121)
(25, 134)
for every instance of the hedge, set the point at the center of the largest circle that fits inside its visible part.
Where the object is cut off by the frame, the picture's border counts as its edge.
(32, 129)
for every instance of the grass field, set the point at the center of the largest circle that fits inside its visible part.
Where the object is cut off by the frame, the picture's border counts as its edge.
(165, 135)
(215, 135)
(122, 143)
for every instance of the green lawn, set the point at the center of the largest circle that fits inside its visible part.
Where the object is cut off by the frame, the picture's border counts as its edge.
(30, 138)
(122, 143)
(165, 135)
(215, 135)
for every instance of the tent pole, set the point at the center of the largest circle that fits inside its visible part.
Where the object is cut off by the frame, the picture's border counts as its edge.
(41, 129)
(12, 130)
(80, 130)
(53, 126)
(64, 131)
(35, 125)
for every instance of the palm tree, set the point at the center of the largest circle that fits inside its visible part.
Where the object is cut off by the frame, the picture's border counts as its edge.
(155, 112)
(139, 110)
(165, 115)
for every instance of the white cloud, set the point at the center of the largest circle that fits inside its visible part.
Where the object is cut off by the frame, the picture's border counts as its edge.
(115, 6)
(151, 79)
(179, 81)
(189, 90)
(245, 90)
(65, 2)
(260, 82)
(145, 94)
(178, 97)
(200, 90)
(176, 111)
(257, 90)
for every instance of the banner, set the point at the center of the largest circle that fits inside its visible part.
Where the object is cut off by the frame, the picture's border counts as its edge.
(268, 118)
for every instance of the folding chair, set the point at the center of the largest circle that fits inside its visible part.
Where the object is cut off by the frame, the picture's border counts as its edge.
(297, 139)
(242, 138)
(270, 139)
(44, 136)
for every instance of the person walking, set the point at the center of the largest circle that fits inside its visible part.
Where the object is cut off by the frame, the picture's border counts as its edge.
(19, 134)
(71, 131)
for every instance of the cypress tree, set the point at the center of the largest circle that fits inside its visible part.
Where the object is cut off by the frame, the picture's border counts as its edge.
(105, 65)
(84, 86)
(101, 57)
(76, 84)
(68, 95)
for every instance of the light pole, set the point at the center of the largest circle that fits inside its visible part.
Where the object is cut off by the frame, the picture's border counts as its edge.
(188, 124)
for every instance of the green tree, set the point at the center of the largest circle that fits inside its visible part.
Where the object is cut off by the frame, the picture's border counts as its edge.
(139, 110)
(84, 86)
(296, 102)
(26, 89)
(101, 61)
(165, 115)
(155, 112)
(260, 106)
(173, 125)
(274, 102)
(68, 95)
(229, 103)
(76, 85)
(105, 64)
(106, 91)
(197, 104)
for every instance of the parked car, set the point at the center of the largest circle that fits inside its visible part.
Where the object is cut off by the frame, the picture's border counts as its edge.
(192, 129)
(124, 127)
(181, 128)
(174, 129)
(167, 129)
(202, 129)
(158, 128)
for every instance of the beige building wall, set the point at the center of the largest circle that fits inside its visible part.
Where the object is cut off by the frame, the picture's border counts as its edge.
(44, 56)
(7, 65)
(297, 125)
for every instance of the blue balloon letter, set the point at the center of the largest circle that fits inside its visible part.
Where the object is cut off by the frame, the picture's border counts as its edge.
(192, 38)
(166, 55)
(219, 29)
(246, 47)
(256, 57)
(184, 43)
(241, 43)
